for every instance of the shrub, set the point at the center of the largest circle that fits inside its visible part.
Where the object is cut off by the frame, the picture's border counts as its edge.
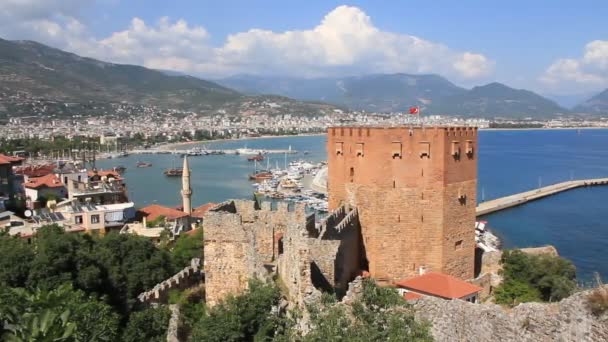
(535, 278)
(597, 300)
(148, 325)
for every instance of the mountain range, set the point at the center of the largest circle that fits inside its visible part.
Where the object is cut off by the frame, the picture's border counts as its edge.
(34, 76)
(30, 71)
(396, 92)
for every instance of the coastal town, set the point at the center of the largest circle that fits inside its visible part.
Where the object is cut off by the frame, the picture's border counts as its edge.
(305, 218)
(286, 171)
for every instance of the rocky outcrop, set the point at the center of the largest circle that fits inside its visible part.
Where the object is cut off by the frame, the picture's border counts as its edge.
(568, 320)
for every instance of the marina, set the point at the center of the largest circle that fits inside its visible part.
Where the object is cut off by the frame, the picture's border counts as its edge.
(569, 220)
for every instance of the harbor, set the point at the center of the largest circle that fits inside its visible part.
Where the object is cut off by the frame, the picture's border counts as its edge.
(571, 219)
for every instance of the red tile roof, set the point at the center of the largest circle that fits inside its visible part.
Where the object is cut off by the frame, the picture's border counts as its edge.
(152, 212)
(107, 173)
(35, 170)
(439, 285)
(411, 296)
(200, 211)
(4, 159)
(50, 181)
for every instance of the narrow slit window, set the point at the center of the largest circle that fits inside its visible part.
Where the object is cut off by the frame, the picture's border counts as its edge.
(396, 150)
(339, 148)
(359, 149)
(455, 149)
(425, 149)
(470, 148)
(458, 245)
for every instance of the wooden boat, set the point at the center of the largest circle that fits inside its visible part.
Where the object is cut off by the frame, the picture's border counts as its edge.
(173, 172)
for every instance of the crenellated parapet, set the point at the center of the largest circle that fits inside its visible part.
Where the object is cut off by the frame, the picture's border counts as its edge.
(183, 279)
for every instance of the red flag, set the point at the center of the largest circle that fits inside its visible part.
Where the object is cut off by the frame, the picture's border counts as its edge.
(414, 110)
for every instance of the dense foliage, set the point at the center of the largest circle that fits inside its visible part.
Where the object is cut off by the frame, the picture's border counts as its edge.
(187, 247)
(149, 325)
(380, 315)
(246, 317)
(59, 314)
(534, 278)
(103, 277)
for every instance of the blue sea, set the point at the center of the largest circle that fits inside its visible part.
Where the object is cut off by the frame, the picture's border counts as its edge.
(576, 222)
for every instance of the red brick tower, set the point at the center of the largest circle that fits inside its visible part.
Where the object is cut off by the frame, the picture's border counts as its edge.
(415, 189)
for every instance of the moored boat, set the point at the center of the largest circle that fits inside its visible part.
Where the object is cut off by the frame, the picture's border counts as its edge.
(258, 157)
(173, 172)
(143, 164)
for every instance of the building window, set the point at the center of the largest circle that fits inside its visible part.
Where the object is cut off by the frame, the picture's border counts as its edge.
(470, 148)
(339, 148)
(78, 219)
(425, 149)
(352, 174)
(94, 218)
(455, 149)
(396, 150)
(359, 150)
(458, 245)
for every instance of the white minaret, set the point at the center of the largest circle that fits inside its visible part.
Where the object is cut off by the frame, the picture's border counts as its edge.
(186, 191)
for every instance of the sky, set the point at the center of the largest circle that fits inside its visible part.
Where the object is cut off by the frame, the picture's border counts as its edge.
(550, 46)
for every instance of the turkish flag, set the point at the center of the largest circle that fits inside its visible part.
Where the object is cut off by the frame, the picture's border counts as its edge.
(414, 110)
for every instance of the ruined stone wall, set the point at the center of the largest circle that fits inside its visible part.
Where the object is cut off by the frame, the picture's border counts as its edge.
(187, 277)
(229, 255)
(406, 188)
(294, 264)
(568, 320)
(241, 243)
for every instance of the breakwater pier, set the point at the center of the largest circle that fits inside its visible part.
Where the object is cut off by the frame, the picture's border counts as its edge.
(498, 204)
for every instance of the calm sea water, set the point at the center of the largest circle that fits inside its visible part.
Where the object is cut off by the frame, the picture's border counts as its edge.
(576, 222)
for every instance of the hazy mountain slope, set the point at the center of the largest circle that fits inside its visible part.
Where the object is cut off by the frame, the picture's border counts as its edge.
(383, 93)
(598, 104)
(498, 100)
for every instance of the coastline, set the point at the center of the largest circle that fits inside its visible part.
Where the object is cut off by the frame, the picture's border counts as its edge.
(172, 146)
(541, 128)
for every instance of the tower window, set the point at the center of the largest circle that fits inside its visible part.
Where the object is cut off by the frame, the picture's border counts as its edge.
(352, 174)
(339, 148)
(425, 149)
(396, 150)
(455, 149)
(458, 245)
(470, 148)
(359, 149)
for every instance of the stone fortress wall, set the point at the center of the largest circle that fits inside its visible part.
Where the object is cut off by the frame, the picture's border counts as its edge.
(415, 191)
(244, 241)
(187, 277)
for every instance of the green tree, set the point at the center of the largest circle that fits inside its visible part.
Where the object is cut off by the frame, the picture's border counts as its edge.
(534, 278)
(149, 325)
(380, 315)
(239, 318)
(61, 314)
(187, 247)
(15, 262)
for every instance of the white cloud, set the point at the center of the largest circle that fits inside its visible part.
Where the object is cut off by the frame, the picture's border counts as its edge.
(345, 42)
(586, 73)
